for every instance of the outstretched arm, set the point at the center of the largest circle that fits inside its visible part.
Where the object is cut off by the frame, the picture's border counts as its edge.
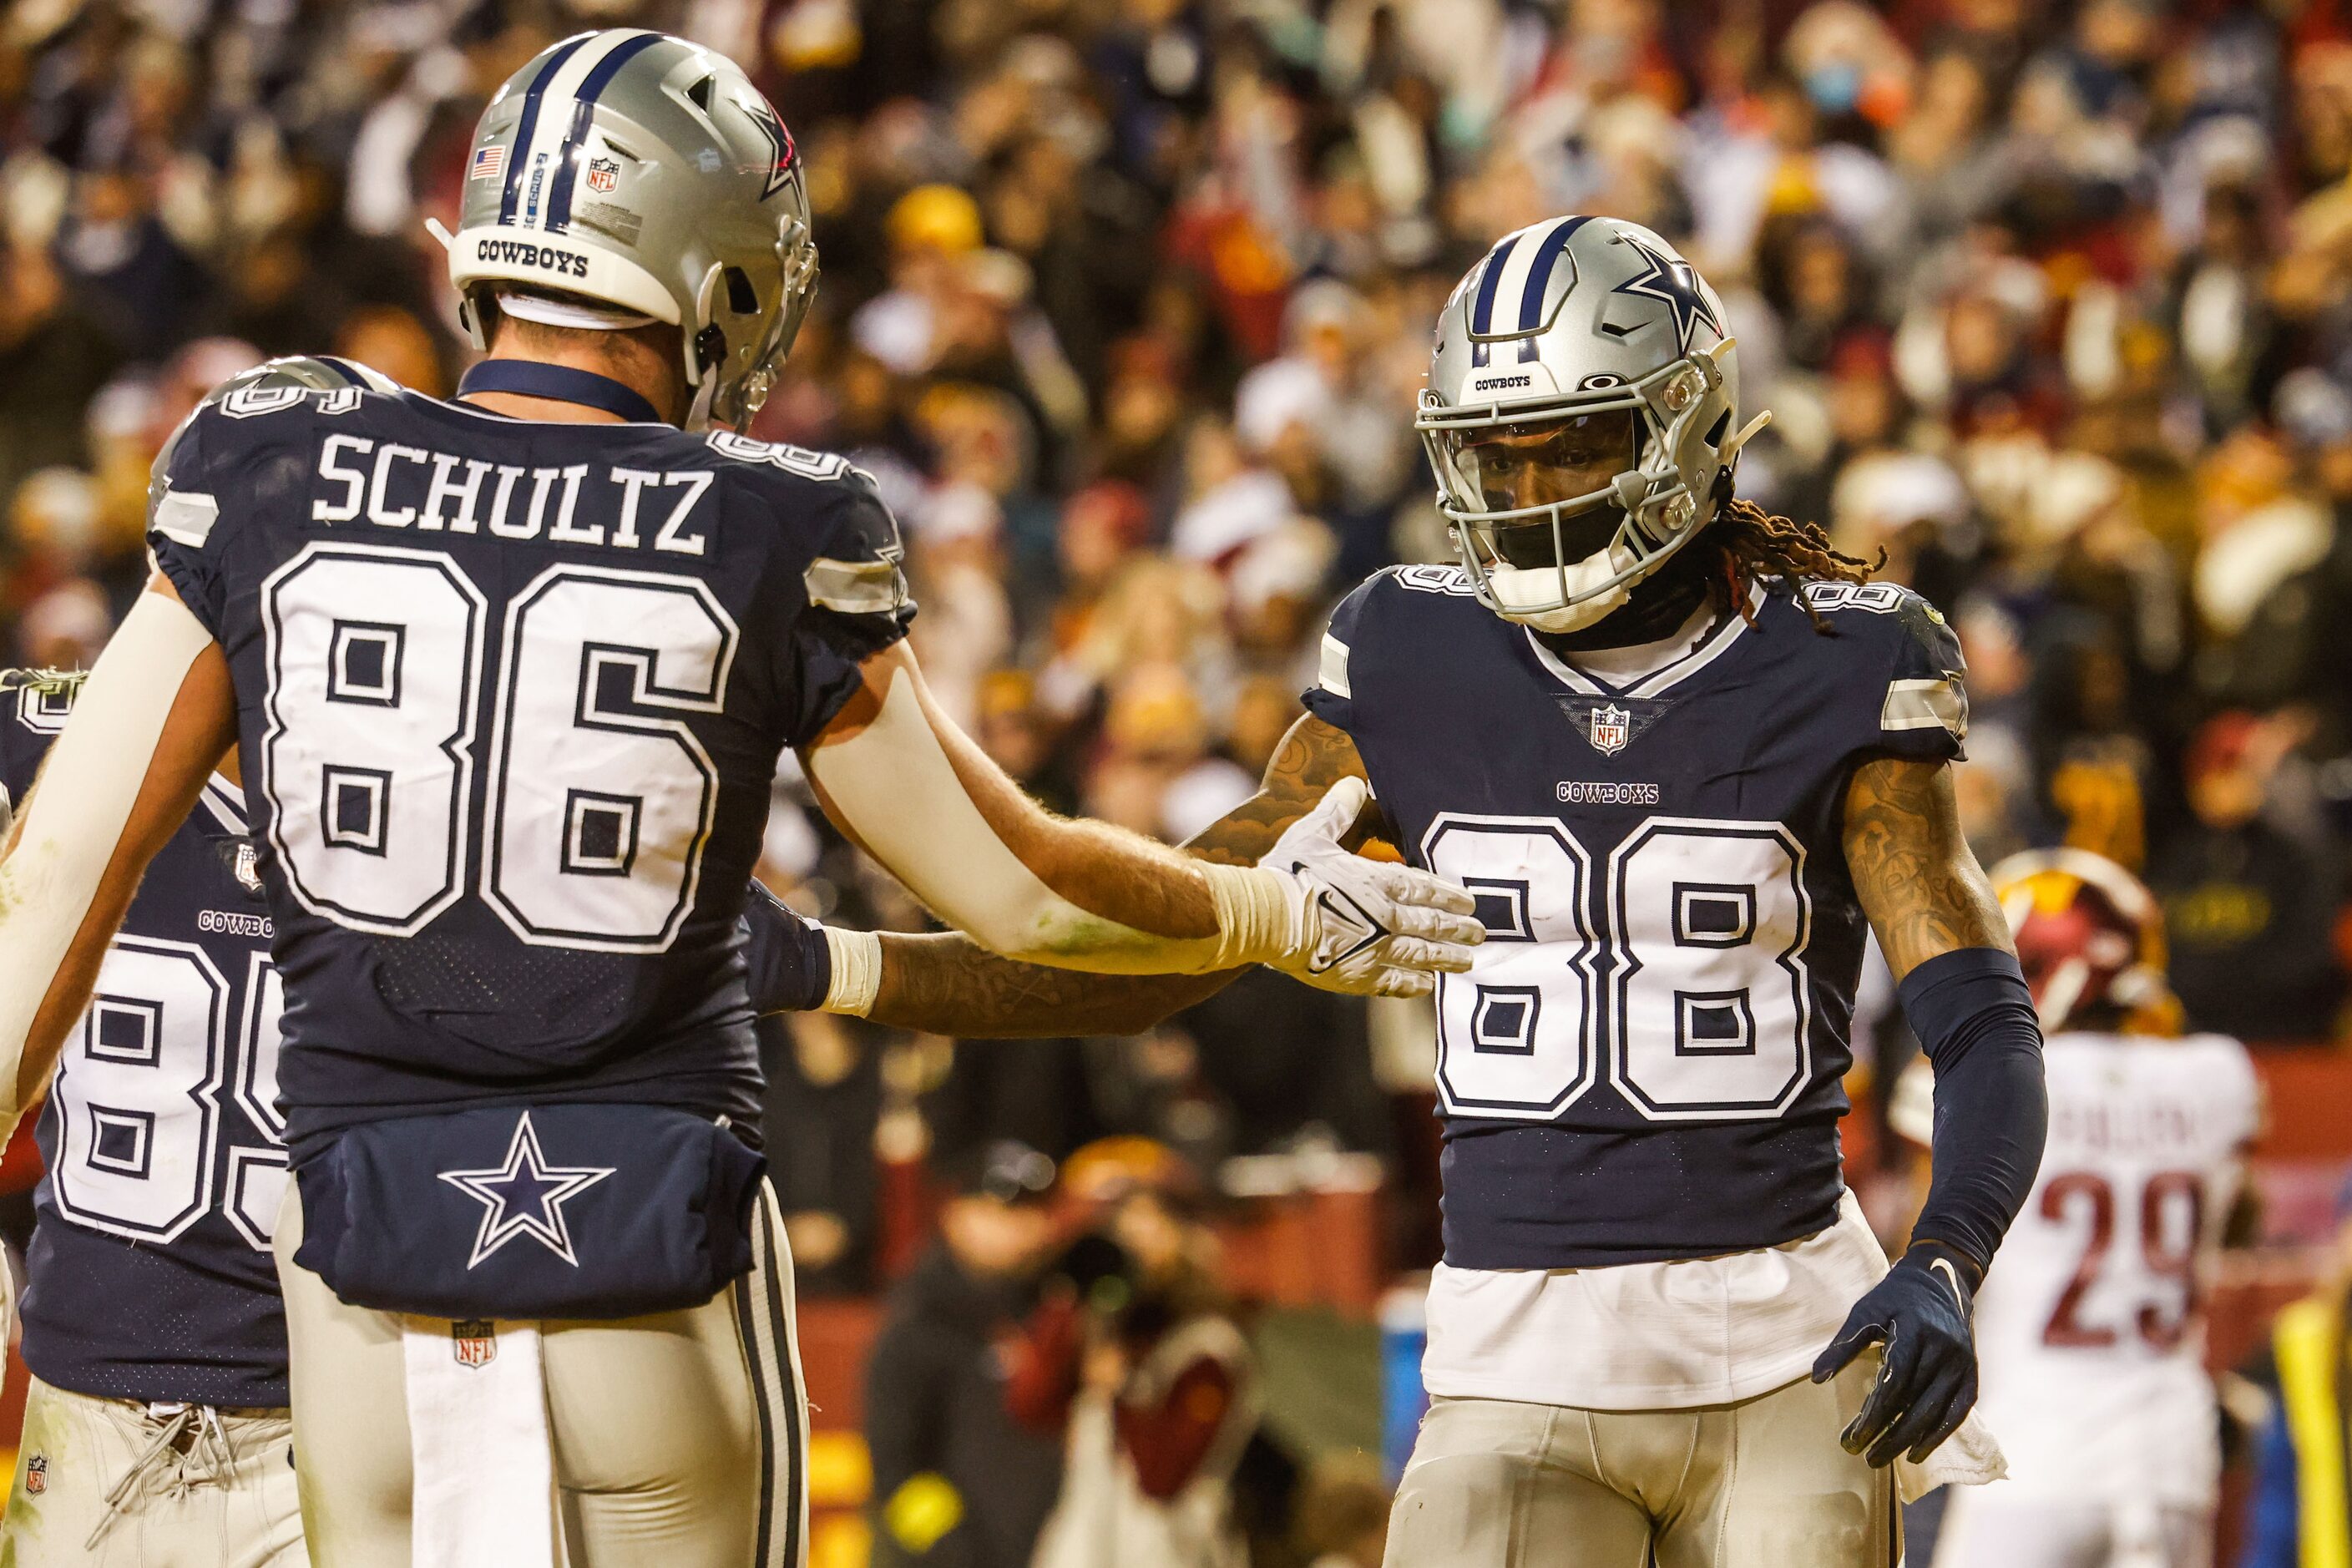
(1967, 1000)
(949, 984)
(903, 781)
(154, 716)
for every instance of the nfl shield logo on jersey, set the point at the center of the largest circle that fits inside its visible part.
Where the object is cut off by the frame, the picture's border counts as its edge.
(603, 173)
(37, 1474)
(1611, 728)
(475, 1340)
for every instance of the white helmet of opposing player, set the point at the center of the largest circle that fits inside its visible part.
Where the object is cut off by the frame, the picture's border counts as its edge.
(647, 174)
(1579, 415)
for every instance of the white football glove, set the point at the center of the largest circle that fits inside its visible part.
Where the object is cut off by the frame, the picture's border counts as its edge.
(1366, 927)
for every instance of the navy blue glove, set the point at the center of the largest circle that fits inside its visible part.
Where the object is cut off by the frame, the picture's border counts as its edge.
(1922, 1311)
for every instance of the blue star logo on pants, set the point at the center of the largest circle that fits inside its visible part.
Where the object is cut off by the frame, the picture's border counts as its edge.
(525, 1196)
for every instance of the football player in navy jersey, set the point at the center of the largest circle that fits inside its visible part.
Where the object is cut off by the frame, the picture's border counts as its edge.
(155, 1429)
(1684, 755)
(155, 1426)
(509, 676)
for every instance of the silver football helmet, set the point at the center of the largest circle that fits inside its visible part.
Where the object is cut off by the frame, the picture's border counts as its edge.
(1579, 416)
(648, 174)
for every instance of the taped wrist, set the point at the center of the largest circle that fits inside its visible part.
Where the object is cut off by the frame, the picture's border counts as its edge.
(856, 971)
(1975, 1019)
(1261, 917)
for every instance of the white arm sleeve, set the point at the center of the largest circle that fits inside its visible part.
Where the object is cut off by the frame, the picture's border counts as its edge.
(893, 785)
(70, 827)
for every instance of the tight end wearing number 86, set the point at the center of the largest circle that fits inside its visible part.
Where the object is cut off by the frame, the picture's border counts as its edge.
(510, 674)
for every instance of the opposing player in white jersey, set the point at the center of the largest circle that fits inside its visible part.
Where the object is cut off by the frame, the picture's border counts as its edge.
(2091, 1332)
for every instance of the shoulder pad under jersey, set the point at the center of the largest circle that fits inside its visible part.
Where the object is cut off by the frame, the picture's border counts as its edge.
(266, 389)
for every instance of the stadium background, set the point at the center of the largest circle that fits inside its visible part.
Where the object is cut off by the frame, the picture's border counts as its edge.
(1125, 306)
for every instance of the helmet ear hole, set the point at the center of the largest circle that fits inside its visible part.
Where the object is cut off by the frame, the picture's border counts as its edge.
(710, 346)
(1715, 432)
(741, 297)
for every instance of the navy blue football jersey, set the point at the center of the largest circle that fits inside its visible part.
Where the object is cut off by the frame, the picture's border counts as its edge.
(510, 695)
(151, 1269)
(1643, 1062)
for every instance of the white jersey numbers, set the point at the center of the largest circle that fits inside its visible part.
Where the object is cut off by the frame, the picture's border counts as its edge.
(137, 1095)
(1710, 924)
(602, 812)
(600, 799)
(1515, 1035)
(1683, 972)
(374, 658)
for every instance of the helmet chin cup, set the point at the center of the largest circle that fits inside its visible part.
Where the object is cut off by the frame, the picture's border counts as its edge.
(1560, 598)
(1572, 618)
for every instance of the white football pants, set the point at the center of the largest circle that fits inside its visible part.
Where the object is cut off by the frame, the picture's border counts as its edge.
(1990, 1527)
(679, 1438)
(1494, 1483)
(207, 1489)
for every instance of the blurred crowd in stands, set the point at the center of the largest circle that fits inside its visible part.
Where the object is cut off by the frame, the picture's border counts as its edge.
(1125, 306)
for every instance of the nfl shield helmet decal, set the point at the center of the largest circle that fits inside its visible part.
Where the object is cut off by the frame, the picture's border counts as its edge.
(1611, 727)
(603, 173)
(37, 1474)
(474, 1340)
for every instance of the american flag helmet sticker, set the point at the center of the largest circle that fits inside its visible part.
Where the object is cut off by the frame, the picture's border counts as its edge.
(489, 163)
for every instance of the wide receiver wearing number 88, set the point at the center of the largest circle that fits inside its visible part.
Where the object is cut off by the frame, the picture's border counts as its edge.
(1683, 755)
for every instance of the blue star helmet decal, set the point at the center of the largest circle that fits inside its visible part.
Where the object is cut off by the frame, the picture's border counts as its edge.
(1674, 283)
(780, 144)
(525, 1196)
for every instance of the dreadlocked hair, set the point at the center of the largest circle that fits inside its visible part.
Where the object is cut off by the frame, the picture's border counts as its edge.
(1755, 544)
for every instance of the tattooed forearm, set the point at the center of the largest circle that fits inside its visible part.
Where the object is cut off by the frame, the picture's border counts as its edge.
(1312, 758)
(949, 985)
(1918, 880)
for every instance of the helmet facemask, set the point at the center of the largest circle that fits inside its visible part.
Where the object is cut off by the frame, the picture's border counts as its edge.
(1559, 506)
